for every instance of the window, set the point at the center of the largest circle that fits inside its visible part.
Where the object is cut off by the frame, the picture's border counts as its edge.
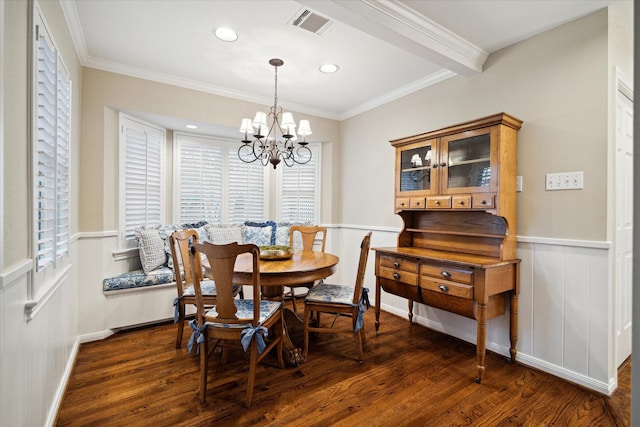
(214, 184)
(299, 190)
(246, 191)
(200, 179)
(52, 111)
(141, 171)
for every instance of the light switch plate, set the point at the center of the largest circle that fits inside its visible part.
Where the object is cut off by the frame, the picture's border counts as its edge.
(518, 183)
(564, 181)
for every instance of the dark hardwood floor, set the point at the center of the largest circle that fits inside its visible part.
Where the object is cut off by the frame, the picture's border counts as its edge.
(412, 376)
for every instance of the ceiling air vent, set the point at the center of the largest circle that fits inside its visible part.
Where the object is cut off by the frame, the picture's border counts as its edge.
(311, 21)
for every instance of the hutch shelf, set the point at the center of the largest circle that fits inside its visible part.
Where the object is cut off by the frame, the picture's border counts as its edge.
(455, 191)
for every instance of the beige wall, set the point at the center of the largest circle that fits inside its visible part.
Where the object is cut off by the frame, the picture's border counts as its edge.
(15, 126)
(555, 82)
(105, 94)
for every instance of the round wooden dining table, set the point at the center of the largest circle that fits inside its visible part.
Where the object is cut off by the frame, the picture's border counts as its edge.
(304, 267)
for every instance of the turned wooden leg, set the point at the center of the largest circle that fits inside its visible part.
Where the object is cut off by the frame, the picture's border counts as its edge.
(513, 325)
(481, 348)
(410, 311)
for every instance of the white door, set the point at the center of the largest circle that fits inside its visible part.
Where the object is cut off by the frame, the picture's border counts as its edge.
(624, 222)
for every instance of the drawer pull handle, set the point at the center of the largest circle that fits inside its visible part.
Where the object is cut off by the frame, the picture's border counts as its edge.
(396, 264)
(437, 202)
(443, 288)
(483, 202)
(445, 274)
(396, 276)
(460, 202)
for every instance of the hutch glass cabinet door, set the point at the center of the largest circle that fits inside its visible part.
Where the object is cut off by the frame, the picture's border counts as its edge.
(468, 162)
(415, 173)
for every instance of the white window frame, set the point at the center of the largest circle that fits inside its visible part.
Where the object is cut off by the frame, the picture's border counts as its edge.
(129, 122)
(316, 162)
(59, 154)
(229, 149)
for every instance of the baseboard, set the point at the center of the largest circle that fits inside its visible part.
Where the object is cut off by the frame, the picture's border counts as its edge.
(95, 336)
(62, 386)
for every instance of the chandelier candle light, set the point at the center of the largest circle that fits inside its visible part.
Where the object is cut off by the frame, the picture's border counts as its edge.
(266, 147)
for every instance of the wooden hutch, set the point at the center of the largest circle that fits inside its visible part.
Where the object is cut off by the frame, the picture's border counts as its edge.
(456, 193)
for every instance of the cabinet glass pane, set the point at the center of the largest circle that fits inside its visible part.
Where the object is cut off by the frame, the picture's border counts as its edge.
(415, 169)
(469, 162)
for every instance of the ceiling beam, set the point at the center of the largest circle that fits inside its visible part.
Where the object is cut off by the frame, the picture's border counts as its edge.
(396, 23)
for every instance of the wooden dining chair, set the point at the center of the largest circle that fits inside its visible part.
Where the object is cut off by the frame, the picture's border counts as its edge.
(245, 321)
(308, 235)
(180, 242)
(351, 301)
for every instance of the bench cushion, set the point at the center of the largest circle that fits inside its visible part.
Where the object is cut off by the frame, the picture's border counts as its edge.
(138, 279)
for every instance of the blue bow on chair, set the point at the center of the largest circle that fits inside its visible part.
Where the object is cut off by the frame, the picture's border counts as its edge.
(364, 300)
(176, 311)
(252, 332)
(196, 336)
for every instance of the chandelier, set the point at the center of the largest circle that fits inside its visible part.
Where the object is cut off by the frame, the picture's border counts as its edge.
(274, 142)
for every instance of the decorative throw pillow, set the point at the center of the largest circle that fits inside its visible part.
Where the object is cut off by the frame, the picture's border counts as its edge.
(151, 248)
(260, 233)
(220, 234)
(165, 232)
(282, 233)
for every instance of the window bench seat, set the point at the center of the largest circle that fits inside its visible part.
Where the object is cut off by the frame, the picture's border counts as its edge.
(138, 279)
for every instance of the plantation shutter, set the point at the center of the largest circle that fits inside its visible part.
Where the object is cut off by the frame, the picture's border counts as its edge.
(142, 176)
(62, 167)
(299, 189)
(200, 178)
(45, 203)
(245, 189)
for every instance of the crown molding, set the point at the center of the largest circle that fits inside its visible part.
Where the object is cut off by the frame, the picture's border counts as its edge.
(399, 93)
(77, 35)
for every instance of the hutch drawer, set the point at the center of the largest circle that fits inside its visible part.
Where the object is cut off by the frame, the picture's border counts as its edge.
(461, 202)
(447, 272)
(482, 201)
(459, 290)
(439, 202)
(402, 203)
(417, 203)
(399, 275)
(399, 263)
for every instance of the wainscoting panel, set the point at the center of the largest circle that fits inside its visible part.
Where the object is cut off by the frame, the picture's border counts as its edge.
(100, 313)
(36, 354)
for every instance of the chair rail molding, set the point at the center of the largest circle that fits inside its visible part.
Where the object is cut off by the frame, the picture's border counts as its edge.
(33, 306)
(11, 275)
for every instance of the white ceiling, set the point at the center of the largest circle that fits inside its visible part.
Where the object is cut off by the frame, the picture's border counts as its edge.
(385, 48)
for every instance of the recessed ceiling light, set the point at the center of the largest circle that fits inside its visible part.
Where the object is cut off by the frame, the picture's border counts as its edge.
(329, 68)
(225, 34)
(191, 127)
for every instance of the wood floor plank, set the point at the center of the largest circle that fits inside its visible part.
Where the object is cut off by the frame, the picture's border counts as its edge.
(411, 376)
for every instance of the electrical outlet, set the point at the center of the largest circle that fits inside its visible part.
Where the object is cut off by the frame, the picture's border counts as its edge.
(564, 181)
